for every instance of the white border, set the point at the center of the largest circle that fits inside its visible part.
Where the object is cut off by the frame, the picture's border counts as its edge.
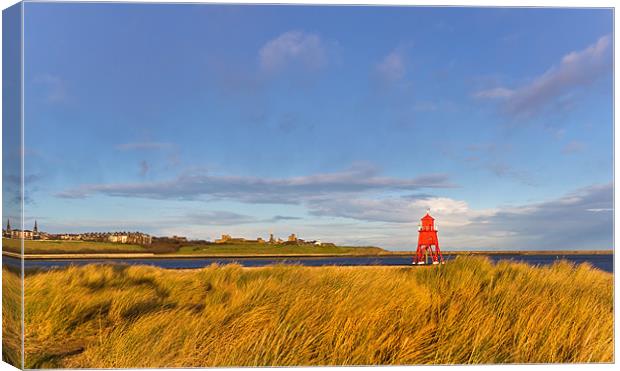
(481, 3)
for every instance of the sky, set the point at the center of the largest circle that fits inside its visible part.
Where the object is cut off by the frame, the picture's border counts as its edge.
(342, 124)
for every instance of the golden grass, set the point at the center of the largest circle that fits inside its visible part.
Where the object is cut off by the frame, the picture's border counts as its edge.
(11, 316)
(468, 311)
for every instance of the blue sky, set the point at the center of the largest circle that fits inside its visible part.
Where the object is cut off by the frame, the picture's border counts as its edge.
(337, 123)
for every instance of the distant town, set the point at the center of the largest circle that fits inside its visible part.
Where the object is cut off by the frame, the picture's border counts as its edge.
(139, 238)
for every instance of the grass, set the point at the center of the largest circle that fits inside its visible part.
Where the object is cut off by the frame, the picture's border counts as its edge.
(266, 249)
(86, 247)
(68, 247)
(11, 316)
(468, 311)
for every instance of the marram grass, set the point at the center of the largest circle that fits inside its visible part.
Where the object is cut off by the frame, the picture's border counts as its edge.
(11, 316)
(468, 311)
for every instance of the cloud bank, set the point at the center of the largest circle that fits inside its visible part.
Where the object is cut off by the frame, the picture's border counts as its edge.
(582, 219)
(359, 205)
(293, 190)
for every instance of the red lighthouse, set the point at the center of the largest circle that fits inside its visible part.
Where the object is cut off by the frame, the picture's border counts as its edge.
(427, 242)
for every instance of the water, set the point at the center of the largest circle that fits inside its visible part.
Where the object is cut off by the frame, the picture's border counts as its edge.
(603, 262)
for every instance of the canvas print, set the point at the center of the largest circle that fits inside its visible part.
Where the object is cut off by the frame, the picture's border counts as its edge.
(216, 185)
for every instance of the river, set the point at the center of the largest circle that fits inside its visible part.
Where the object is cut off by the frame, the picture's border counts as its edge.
(603, 262)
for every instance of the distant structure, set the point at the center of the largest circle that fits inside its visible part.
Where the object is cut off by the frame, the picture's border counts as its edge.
(226, 238)
(292, 239)
(428, 244)
(25, 234)
(136, 238)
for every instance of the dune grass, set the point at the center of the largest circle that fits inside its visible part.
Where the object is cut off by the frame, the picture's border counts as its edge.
(11, 316)
(468, 311)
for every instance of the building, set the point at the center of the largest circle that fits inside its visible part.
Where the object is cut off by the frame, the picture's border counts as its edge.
(226, 238)
(25, 234)
(6, 233)
(70, 236)
(292, 238)
(136, 238)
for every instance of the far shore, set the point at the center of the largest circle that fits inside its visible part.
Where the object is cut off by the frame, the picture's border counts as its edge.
(277, 256)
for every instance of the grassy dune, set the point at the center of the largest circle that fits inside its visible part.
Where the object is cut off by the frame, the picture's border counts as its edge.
(11, 316)
(468, 311)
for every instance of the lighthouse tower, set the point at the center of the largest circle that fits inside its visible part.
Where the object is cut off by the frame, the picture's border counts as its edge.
(428, 244)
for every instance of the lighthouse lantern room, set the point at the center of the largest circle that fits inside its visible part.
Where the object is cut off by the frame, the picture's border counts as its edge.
(428, 244)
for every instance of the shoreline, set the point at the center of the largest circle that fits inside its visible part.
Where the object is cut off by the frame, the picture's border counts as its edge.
(154, 256)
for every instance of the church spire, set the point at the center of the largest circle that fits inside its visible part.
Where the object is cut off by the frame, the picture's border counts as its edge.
(8, 225)
(36, 228)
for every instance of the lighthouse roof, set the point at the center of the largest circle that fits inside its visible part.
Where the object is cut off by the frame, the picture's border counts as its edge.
(428, 217)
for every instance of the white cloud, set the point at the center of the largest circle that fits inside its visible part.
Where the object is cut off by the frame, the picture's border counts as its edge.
(392, 67)
(494, 93)
(293, 47)
(393, 210)
(553, 88)
(600, 210)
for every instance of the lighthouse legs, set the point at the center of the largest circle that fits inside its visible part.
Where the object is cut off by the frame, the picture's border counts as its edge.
(434, 255)
(424, 252)
(439, 254)
(419, 256)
